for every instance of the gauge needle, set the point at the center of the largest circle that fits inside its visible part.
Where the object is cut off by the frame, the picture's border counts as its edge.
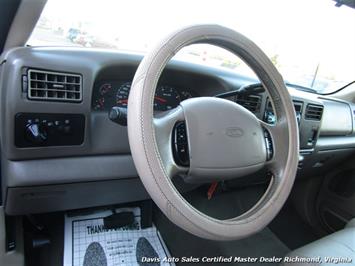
(160, 99)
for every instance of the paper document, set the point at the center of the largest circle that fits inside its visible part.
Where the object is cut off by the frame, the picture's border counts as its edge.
(88, 243)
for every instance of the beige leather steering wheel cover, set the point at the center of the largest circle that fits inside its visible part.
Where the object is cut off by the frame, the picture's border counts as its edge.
(145, 151)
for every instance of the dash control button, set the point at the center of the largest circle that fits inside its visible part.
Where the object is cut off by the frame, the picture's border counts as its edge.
(49, 129)
(180, 144)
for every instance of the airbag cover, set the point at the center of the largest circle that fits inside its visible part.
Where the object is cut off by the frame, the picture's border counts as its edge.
(225, 139)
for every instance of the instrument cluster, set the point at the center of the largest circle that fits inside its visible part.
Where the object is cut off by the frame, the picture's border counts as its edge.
(115, 93)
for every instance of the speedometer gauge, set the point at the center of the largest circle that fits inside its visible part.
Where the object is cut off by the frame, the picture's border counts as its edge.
(166, 98)
(122, 95)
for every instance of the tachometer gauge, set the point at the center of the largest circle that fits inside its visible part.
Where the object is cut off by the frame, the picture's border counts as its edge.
(122, 95)
(166, 98)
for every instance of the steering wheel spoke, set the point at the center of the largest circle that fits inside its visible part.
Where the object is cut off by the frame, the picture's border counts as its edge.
(165, 126)
(276, 139)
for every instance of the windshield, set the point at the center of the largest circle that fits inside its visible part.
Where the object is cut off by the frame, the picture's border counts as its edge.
(310, 42)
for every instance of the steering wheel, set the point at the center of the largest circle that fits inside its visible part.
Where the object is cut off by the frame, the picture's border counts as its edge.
(224, 140)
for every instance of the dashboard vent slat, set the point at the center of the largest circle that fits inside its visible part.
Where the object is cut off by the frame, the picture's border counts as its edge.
(314, 112)
(250, 102)
(54, 86)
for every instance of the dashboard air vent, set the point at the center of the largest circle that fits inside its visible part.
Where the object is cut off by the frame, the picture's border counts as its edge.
(314, 112)
(54, 86)
(250, 102)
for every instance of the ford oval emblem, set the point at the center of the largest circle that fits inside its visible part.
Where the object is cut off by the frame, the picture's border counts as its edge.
(234, 132)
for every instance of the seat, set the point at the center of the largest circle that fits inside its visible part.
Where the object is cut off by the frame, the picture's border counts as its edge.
(335, 249)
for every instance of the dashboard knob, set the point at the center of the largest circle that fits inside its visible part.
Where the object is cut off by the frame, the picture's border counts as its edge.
(36, 133)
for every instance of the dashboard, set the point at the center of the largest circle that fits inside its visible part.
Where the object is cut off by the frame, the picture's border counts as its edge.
(59, 144)
(107, 94)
